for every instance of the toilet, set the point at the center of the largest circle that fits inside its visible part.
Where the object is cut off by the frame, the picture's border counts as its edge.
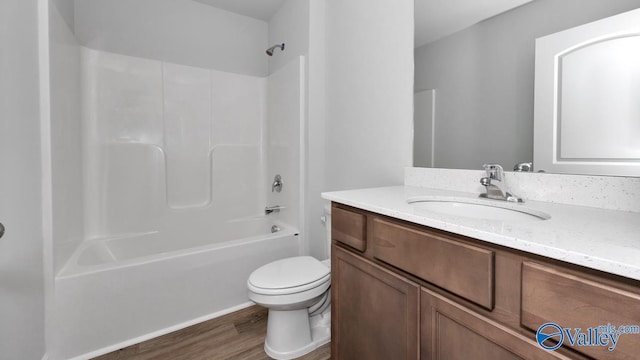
(297, 293)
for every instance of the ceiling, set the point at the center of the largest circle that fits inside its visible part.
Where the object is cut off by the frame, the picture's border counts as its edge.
(434, 19)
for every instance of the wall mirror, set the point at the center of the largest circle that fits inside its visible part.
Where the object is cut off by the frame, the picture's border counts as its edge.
(474, 87)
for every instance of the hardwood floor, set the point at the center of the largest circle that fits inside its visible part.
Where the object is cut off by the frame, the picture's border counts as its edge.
(239, 336)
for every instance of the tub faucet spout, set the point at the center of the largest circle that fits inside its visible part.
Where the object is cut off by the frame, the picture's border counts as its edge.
(271, 209)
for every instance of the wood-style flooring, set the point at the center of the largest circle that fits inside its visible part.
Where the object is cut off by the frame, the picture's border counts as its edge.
(239, 336)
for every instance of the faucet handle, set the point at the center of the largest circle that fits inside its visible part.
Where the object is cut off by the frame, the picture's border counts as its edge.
(277, 183)
(523, 167)
(494, 171)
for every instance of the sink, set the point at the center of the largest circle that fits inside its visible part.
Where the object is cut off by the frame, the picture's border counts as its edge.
(477, 208)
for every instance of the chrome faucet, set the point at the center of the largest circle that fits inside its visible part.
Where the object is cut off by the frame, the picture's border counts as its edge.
(523, 167)
(277, 184)
(496, 189)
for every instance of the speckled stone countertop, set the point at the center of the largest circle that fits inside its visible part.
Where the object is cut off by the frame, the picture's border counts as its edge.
(601, 239)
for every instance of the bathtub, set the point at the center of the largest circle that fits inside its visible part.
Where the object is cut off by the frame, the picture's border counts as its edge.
(118, 291)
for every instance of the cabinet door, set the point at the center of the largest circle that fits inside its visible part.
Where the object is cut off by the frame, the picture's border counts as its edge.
(452, 332)
(375, 313)
(551, 294)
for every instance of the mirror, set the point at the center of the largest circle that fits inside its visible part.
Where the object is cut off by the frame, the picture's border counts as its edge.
(474, 89)
(586, 98)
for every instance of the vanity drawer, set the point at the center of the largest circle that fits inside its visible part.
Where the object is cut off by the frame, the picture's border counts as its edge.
(462, 269)
(349, 227)
(551, 294)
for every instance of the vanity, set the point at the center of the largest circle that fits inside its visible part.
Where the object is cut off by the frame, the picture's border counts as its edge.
(429, 270)
(415, 282)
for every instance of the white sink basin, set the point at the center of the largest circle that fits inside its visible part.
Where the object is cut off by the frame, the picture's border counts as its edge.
(478, 208)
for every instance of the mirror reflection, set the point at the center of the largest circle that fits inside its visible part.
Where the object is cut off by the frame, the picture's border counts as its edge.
(474, 87)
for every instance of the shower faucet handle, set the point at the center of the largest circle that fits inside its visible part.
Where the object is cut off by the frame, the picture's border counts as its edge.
(277, 184)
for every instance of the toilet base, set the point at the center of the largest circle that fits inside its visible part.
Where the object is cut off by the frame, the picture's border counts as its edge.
(291, 334)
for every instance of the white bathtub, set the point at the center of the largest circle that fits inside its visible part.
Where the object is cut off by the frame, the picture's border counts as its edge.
(118, 291)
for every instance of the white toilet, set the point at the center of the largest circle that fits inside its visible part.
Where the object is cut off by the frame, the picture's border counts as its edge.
(297, 293)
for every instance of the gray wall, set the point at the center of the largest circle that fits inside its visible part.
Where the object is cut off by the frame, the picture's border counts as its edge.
(22, 319)
(484, 80)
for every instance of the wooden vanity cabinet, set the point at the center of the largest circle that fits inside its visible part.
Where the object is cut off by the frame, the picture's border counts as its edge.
(579, 300)
(463, 269)
(406, 291)
(450, 331)
(375, 312)
(349, 228)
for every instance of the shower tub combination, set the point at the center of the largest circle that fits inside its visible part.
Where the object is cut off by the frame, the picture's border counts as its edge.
(175, 228)
(120, 291)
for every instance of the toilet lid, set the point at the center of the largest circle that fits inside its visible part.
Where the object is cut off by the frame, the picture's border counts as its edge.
(289, 273)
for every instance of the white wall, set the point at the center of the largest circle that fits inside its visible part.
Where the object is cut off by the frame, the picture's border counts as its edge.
(22, 319)
(66, 137)
(484, 80)
(314, 137)
(300, 24)
(285, 111)
(66, 9)
(181, 32)
(290, 25)
(369, 92)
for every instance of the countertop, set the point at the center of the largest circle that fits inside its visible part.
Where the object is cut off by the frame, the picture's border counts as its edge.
(605, 240)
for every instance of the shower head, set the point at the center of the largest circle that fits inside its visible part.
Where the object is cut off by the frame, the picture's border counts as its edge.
(270, 50)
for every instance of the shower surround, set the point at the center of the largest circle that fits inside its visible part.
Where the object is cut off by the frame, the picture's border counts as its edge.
(177, 165)
(166, 141)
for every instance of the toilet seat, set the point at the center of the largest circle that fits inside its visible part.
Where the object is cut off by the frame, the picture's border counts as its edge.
(289, 276)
